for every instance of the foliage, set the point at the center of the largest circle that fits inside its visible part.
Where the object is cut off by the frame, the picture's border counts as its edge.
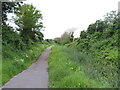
(83, 34)
(65, 72)
(29, 22)
(15, 61)
(65, 38)
(98, 26)
(11, 37)
(57, 40)
(111, 17)
(9, 7)
(20, 47)
(100, 41)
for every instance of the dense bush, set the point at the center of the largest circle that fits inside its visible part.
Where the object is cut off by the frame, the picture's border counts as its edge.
(101, 48)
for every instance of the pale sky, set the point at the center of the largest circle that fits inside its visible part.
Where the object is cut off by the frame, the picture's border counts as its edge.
(60, 15)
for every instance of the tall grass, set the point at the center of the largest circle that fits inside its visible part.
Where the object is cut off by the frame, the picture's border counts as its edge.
(0, 73)
(96, 68)
(15, 61)
(66, 72)
(98, 57)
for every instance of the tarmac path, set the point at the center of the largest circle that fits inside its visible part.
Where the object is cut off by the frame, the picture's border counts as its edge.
(36, 76)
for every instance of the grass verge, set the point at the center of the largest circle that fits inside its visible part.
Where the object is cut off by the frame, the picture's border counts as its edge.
(15, 61)
(67, 73)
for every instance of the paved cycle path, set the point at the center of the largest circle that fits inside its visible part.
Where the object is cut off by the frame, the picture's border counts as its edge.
(36, 76)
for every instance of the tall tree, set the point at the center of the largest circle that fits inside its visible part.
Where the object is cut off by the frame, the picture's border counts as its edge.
(98, 26)
(71, 31)
(110, 17)
(8, 34)
(65, 38)
(101, 26)
(91, 28)
(83, 34)
(29, 21)
(9, 7)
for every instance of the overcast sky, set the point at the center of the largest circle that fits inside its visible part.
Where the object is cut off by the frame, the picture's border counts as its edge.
(60, 15)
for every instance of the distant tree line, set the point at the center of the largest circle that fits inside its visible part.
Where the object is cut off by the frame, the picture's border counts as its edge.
(66, 37)
(110, 23)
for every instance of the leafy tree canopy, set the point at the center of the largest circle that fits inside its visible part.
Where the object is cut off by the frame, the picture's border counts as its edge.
(9, 7)
(29, 21)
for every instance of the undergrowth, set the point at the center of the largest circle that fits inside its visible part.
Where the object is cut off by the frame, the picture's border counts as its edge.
(65, 70)
(15, 61)
(101, 59)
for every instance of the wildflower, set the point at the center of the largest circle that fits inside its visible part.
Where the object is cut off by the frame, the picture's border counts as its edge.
(31, 51)
(26, 55)
(22, 60)
(71, 68)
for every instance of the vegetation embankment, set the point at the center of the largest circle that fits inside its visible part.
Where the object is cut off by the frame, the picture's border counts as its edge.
(21, 45)
(95, 52)
(100, 40)
(103, 63)
(15, 61)
(65, 70)
(88, 61)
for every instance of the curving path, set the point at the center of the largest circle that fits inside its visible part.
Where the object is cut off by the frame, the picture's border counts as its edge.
(36, 76)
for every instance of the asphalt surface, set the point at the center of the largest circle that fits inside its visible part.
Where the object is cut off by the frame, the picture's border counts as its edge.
(36, 76)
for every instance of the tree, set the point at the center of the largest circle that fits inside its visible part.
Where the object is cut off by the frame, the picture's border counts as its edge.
(39, 35)
(9, 36)
(72, 36)
(57, 40)
(9, 7)
(83, 35)
(71, 31)
(112, 20)
(116, 23)
(65, 38)
(29, 21)
(91, 28)
(98, 26)
(110, 17)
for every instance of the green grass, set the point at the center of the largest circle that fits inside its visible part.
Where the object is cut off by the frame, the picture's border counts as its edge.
(0, 70)
(15, 61)
(98, 56)
(66, 72)
(0, 60)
